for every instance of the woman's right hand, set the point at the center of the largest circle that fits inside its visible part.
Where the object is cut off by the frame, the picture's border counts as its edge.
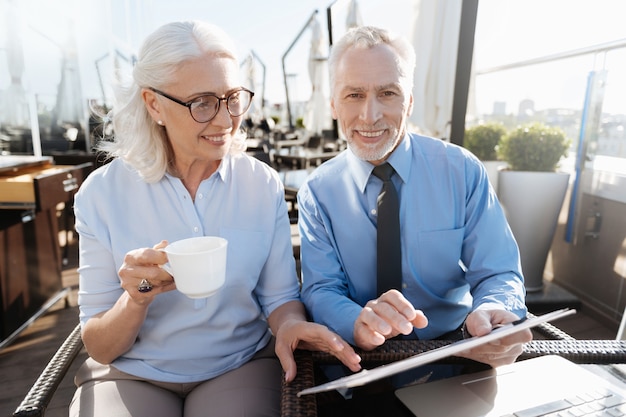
(113, 332)
(144, 264)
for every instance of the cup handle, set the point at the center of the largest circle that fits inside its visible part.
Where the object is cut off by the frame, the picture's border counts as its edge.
(167, 268)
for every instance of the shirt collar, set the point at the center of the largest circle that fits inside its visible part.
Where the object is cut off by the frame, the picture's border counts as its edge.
(223, 170)
(400, 160)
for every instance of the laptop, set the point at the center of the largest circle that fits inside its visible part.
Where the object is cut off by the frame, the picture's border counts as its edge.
(542, 386)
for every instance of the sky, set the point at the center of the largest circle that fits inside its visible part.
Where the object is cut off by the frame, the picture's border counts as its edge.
(267, 27)
(510, 31)
(507, 31)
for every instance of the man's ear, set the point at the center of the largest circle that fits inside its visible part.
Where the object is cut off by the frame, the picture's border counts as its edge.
(332, 109)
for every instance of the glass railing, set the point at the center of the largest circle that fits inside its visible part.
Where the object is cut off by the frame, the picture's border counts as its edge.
(582, 91)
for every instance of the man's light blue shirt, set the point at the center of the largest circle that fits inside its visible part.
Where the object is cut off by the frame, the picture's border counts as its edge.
(458, 252)
(183, 339)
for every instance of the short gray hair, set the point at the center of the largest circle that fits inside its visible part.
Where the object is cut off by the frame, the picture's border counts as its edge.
(367, 37)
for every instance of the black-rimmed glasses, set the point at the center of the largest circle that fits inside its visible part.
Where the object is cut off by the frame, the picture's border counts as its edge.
(204, 108)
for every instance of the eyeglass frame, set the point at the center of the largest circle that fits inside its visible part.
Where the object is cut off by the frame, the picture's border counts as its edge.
(219, 102)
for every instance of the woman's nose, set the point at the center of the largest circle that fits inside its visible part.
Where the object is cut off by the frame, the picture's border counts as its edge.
(222, 118)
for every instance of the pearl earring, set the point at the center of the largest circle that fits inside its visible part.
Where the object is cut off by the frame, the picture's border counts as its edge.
(160, 122)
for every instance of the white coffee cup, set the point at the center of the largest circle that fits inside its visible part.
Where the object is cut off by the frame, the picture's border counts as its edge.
(198, 265)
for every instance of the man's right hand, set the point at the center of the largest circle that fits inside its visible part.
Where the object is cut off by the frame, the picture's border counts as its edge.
(386, 317)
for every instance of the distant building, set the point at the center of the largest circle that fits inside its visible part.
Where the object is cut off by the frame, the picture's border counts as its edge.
(526, 110)
(499, 108)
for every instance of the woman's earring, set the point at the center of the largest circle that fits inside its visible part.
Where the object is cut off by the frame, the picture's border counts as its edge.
(160, 122)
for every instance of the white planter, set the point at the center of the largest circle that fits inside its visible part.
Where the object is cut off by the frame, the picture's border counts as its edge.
(492, 168)
(532, 202)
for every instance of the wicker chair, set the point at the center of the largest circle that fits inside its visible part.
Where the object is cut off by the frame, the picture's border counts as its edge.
(555, 342)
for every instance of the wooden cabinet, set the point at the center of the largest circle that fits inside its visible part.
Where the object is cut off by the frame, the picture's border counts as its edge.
(40, 187)
(31, 193)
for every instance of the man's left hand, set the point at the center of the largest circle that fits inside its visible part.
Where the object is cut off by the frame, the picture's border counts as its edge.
(499, 352)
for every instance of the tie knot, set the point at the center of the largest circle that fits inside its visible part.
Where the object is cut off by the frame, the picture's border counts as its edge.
(384, 171)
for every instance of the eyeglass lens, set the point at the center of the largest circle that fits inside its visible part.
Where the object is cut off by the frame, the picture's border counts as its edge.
(205, 108)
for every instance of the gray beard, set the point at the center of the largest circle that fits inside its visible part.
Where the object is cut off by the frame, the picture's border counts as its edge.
(374, 153)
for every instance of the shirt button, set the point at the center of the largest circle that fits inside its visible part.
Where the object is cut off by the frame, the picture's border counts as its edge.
(196, 229)
(403, 286)
(373, 212)
(200, 196)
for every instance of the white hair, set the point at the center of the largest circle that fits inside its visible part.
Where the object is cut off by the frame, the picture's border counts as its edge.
(139, 141)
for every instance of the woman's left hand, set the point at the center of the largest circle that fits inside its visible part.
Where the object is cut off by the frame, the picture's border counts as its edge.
(301, 334)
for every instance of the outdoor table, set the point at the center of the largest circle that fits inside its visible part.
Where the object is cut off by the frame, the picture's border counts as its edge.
(378, 398)
(302, 158)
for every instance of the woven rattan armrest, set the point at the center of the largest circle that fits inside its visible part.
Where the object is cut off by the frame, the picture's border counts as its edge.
(40, 394)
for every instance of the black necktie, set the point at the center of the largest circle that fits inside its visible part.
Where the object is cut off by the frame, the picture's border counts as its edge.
(389, 260)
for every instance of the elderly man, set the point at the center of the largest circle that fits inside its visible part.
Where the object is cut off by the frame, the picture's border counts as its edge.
(457, 265)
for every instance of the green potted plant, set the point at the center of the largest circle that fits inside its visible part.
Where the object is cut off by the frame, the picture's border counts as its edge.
(532, 192)
(535, 147)
(483, 141)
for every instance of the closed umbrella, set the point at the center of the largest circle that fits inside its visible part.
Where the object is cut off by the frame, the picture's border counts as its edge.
(69, 105)
(353, 18)
(317, 116)
(250, 75)
(435, 39)
(14, 111)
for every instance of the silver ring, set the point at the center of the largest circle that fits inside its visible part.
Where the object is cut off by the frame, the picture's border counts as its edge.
(144, 286)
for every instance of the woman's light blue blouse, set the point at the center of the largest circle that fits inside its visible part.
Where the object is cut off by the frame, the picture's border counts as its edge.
(182, 339)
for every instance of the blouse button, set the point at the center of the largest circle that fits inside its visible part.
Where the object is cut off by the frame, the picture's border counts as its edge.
(196, 229)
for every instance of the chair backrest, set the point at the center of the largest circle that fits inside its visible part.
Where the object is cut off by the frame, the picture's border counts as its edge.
(314, 142)
(261, 156)
(621, 332)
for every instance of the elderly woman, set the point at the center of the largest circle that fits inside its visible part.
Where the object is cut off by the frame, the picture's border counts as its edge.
(179, 171)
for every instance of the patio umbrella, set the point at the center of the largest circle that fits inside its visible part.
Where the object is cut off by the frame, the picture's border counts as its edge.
(250, 76)
(14, 111)
(435, 39)
(317, 115)
(353, 18)
(69, 105)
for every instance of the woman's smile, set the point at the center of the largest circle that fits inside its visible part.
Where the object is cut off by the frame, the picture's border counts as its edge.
(217, 139)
